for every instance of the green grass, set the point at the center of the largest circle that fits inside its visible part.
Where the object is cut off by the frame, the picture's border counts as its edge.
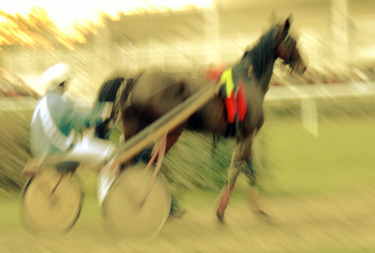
(10, 211)
(339, 159)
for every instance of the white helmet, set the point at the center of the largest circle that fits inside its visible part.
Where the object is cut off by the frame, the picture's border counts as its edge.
(56, 75)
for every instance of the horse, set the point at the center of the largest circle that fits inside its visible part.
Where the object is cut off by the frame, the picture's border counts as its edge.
(151, 94)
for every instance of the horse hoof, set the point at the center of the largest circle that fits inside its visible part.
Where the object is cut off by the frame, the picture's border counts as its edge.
(220, 218)
(262, 213)
(220, 215)
(265, 217)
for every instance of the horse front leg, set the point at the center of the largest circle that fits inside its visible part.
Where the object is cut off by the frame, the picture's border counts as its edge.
(253, 193)
(233, 172)
(242, 153)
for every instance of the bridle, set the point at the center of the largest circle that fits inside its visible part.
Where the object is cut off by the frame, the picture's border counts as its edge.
(291, 53)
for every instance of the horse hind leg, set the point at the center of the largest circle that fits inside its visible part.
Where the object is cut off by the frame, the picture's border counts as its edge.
(225, 196)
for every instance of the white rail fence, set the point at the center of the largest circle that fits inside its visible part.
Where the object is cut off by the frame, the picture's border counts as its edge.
(309, 94)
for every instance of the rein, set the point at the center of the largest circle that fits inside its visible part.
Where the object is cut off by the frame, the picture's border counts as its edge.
(293, 58)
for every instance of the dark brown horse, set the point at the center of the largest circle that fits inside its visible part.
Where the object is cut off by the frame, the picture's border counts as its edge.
(151, 95)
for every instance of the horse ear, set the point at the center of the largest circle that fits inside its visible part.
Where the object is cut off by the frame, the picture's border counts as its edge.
(285, 27)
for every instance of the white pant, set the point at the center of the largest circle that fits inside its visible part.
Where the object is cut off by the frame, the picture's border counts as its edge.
(94, 152)
(91, 150)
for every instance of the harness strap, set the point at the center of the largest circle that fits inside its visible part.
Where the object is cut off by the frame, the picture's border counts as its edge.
(227, 80)
(116, 106)
(53, 133)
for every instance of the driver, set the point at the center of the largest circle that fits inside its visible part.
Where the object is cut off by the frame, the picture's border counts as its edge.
(57, 122)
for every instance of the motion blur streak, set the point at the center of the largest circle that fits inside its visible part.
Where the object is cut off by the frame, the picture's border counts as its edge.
(28, 24)
(314, 156)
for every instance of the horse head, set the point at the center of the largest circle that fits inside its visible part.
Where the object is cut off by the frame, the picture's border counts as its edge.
(256, 64)
(287, 49)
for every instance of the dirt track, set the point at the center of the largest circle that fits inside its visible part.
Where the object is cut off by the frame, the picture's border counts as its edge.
(309, 224)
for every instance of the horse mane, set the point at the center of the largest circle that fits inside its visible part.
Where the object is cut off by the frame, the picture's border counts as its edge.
(259, 55)
(109, 89)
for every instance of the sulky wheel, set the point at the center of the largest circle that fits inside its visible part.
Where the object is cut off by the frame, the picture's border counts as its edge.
(51, 201)
(123, 210)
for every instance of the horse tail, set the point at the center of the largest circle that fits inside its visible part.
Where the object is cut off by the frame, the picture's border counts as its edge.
(109, 92)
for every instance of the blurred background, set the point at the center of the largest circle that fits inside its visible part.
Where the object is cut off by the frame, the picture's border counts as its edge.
(336, 36)
(318, 138)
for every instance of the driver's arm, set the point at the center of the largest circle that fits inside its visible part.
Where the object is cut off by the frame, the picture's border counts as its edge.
(82, 119)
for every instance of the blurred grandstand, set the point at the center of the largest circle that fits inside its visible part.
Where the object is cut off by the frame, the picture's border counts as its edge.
(12, 86)
(335, 36)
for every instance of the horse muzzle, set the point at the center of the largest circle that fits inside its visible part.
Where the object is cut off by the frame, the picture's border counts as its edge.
(299, 67)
